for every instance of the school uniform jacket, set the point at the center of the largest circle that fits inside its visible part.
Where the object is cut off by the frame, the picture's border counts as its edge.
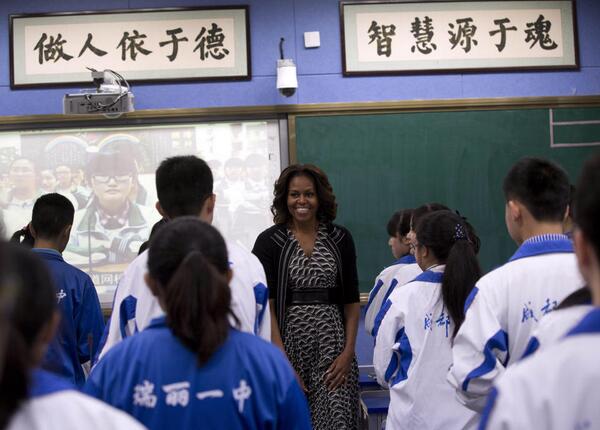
(412, 356)
(504, 308)
(82, 323)
(556, 388)
(554, 327)
(384, 285)
(401, 276)
(246, 384)
(55, 404)
(135, 306)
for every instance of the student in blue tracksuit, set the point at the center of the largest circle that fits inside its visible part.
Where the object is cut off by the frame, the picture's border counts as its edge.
(189, 368)
(508, 303)
(413, 347)
(82, 323)
(31, 398)
(557, 387)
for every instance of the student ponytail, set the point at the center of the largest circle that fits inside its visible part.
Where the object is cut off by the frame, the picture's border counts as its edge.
(454, 243)
(197, 302)
(188, 260)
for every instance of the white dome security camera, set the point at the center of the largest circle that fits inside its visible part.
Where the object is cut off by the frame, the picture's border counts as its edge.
(287, 81)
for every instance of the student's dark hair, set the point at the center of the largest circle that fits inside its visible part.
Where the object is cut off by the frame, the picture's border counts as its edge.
(582, 296)
(189, 260)
(183, 183)
(51, 214)
(403, 226)
(27, 303)
(423, 210)
(327, 210)
(447, 236)
(392, 224)
(399, 223)
(541, 186)
(587, 202)
(23, 237)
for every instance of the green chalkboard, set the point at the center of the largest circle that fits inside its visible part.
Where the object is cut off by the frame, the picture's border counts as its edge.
(378, 163)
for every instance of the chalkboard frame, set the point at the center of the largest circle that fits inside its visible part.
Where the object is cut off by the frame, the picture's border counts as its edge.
(442, 105)
(384, 109)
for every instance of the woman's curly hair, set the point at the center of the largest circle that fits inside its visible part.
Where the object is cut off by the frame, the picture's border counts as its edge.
(327, 209)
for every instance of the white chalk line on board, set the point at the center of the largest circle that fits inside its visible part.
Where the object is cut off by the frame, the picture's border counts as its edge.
(565, 123)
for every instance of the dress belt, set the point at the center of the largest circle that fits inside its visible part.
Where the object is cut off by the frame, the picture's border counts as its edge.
(316, 296)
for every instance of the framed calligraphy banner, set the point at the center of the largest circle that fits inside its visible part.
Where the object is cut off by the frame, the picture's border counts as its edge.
(141, 45)
(397, 37)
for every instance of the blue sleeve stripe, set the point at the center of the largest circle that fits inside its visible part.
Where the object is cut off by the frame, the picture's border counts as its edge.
(374, 293)
(532, 346)
(261, 294)
(470, 298)
(405, 353)
(380, 316)
(395, 360)
(497, 342)
(126, 314)
(489, 407)
(390, 289)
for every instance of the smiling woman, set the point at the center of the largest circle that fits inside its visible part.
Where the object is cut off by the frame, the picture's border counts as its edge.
(310, 265)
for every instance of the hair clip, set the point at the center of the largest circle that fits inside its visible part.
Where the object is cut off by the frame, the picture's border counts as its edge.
(459, 232)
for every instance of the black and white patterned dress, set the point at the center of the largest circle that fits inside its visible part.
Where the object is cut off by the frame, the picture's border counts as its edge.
(314, 336)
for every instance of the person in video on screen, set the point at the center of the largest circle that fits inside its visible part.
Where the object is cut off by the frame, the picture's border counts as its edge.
(111, 228)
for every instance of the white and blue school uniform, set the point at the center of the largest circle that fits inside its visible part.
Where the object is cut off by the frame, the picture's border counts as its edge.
(384, 285)
(412, 356)
(556, 388)
(82, 322)
(246, 384)
(135, 306)
(554, 327)
(55, 404)
(402, 276)
(503, 310)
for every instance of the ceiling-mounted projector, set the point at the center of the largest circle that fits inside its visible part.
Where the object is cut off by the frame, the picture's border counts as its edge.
(111, 98)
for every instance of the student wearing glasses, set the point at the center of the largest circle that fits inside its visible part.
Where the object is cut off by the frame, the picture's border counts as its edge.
(112, 227)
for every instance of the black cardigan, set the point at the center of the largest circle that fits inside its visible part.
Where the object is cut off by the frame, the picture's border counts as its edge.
(273, 247)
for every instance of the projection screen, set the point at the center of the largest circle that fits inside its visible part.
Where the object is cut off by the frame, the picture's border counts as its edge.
(108, 175)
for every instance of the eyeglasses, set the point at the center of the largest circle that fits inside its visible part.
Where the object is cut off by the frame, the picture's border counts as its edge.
(103, 179)
(412, 246)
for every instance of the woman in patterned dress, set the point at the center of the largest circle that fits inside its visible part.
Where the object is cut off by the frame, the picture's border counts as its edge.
(310, 265)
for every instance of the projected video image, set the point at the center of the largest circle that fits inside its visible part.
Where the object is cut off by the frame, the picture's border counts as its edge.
(108, 175)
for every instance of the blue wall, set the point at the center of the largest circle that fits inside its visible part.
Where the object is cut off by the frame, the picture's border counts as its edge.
(319, 70)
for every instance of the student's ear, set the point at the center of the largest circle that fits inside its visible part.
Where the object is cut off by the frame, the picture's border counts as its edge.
(208, 209)
(152, 284)
(160, 210)
(66, 232)
(210, 203)
(63, 237)
(404, 240)
(32, 230)
(229, 276)
(515, 210)
(566, 215)
(586, 257)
